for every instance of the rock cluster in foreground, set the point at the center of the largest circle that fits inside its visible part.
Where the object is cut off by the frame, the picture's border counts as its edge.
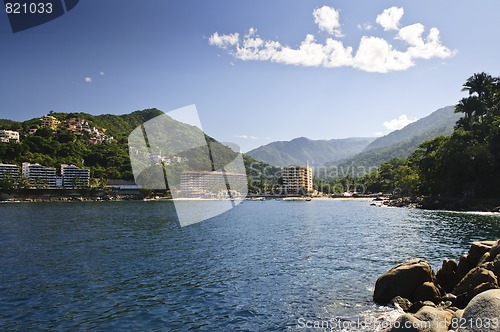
(459, 297)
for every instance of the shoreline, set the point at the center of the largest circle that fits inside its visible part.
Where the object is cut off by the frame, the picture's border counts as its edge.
(424, 203)
(433, 203)
(116, 197)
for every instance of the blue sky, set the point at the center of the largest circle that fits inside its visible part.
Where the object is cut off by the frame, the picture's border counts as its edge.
(365, 68)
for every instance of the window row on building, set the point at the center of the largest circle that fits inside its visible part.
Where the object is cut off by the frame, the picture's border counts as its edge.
(204, 182)
(297, 179)
(45, 177)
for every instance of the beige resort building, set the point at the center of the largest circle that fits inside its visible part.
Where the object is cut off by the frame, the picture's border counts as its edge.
(297, 180)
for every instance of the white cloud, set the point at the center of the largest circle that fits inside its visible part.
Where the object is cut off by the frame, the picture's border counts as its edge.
(378, 134)
(88, 79)
(251, 137)
(377, 55)
(365, 26)
(390, 17)
(224, 41)
(101, 73)
(310, 53)
(419, 48)
(398, 123)
(328, 19)
(374, 54)
(246, 137)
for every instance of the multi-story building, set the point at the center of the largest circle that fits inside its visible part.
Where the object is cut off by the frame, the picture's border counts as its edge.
(40, 176)
(75, 177)
(297, 180)
(7, 136)
(48, 121)
(9, 172)
(203, 182)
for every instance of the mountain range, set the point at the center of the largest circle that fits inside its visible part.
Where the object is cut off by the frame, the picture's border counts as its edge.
(402, 143)
(302, 150)
(51, 148)
(366, 151)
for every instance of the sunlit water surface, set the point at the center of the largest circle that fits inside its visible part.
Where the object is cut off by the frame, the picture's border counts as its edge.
(263, 266)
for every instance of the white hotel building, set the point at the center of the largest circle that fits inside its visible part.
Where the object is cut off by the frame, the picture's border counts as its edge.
(75, 177)
(8, 171)
(197, 183)
(37, 174)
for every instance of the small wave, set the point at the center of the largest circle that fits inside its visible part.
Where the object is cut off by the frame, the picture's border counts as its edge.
(379, 318)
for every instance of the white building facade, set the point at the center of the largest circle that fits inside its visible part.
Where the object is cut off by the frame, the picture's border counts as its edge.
(39, 176)
(7, 136)
(9, 172)
(75, 177)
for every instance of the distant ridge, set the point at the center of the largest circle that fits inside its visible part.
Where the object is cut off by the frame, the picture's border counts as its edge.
(302, 150)
(402, 143)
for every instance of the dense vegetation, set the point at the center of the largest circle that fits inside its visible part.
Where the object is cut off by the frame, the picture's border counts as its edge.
(51, 148)
(402, 143)
(111, 160)
(465, 164)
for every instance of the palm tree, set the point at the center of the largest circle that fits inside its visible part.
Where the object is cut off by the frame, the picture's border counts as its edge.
(472, 109)
(480, 84)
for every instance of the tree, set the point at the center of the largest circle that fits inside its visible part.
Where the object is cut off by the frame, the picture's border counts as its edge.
(472, 109)
(479, 84)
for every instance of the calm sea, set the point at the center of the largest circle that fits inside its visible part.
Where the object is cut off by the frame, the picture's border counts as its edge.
(263, 266)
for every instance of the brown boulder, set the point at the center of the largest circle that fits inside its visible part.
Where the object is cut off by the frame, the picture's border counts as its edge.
(464, 266)
(427, 292)
(478, 249)
(472, 259)
(479, 289)
(495, 250)
(402, 280)
(446, 277)
(469, 285)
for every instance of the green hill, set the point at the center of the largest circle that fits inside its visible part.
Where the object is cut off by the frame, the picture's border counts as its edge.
(402, 143)
(464, 165)
(109, 159)
(301, 151)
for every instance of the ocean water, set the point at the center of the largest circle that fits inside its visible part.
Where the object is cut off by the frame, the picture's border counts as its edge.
(263, 266)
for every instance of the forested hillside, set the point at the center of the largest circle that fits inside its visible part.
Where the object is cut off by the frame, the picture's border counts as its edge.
(108, 159)
(402, 143)
(465, 164)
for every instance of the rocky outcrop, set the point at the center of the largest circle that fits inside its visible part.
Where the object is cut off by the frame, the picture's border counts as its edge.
(432, 302)
(447, 276)
(476, 281)
(402, 280)
(444, 203)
